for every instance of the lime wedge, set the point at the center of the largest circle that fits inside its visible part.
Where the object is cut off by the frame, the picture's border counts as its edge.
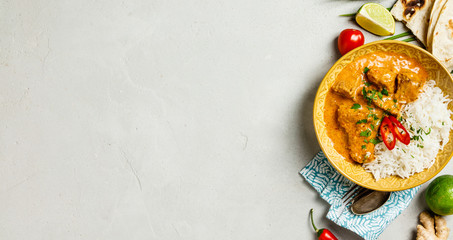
(376, 19)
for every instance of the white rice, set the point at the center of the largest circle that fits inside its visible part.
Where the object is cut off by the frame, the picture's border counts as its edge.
(428, 118)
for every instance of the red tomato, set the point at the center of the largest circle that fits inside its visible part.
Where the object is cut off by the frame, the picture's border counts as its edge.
(350, 39)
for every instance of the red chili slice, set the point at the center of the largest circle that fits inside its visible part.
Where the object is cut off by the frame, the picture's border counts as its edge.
(386, 130)
(404, 136)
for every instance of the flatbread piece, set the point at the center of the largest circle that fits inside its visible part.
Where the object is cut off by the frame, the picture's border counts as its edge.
(415, 14)
(442, 42)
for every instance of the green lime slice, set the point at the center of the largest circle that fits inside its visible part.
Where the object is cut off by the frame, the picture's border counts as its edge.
(376, 19)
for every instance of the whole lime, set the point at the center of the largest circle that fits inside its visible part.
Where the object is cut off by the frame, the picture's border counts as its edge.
(439, 195)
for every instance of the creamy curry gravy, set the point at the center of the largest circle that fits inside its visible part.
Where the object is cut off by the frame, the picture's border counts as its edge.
(340, 95)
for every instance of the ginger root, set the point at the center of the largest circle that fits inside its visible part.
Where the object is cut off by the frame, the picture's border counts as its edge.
(432, 228)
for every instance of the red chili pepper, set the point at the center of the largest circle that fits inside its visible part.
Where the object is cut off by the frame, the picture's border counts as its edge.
(323, 234)
(386, 130)
(404, 136)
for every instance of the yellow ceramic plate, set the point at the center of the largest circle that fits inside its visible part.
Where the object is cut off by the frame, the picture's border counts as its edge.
(355, 172)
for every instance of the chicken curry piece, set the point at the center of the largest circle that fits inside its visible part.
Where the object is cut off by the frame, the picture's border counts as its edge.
(383, 77)
(367, 89)
(360, 122)
(409, 84)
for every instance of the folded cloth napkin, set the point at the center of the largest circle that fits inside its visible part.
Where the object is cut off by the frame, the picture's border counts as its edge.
(332, 186)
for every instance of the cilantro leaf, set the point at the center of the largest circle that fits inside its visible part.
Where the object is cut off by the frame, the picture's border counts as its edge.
(379, 94)
(375, 141)
(356, 106)
(361, 121)
(365, 133)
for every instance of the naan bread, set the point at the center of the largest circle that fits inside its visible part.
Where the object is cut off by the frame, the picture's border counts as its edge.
(415, 14)
(442, 46)
(434, 16)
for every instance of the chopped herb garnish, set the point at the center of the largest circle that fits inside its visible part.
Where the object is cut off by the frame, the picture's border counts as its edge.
(373, 95)
(415, 137)
(372, 126)
(412, 128)
(370, 108)
(361, 121)
(420, 146)
(400, 119)
(366, 94)
(363, 146)
(379, 94)
(385, 92)
(394, 100)
(373, 115)
(443, 123)
(366, 69)
(412, 156)
(365, 133)
(426, 133)
(403, 150)
(356, 106)
(375, 141)
(367, 84)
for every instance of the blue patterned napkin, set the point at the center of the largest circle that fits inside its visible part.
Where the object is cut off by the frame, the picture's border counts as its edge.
(332, 186)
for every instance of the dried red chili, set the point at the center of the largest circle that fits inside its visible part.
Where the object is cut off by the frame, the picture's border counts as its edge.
(403, 136)
(323, 234)
(386, 130)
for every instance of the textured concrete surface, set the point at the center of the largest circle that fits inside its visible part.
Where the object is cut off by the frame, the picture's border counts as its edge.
(165, 119)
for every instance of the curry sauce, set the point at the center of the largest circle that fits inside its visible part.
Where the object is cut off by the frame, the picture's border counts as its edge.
(368, 88)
